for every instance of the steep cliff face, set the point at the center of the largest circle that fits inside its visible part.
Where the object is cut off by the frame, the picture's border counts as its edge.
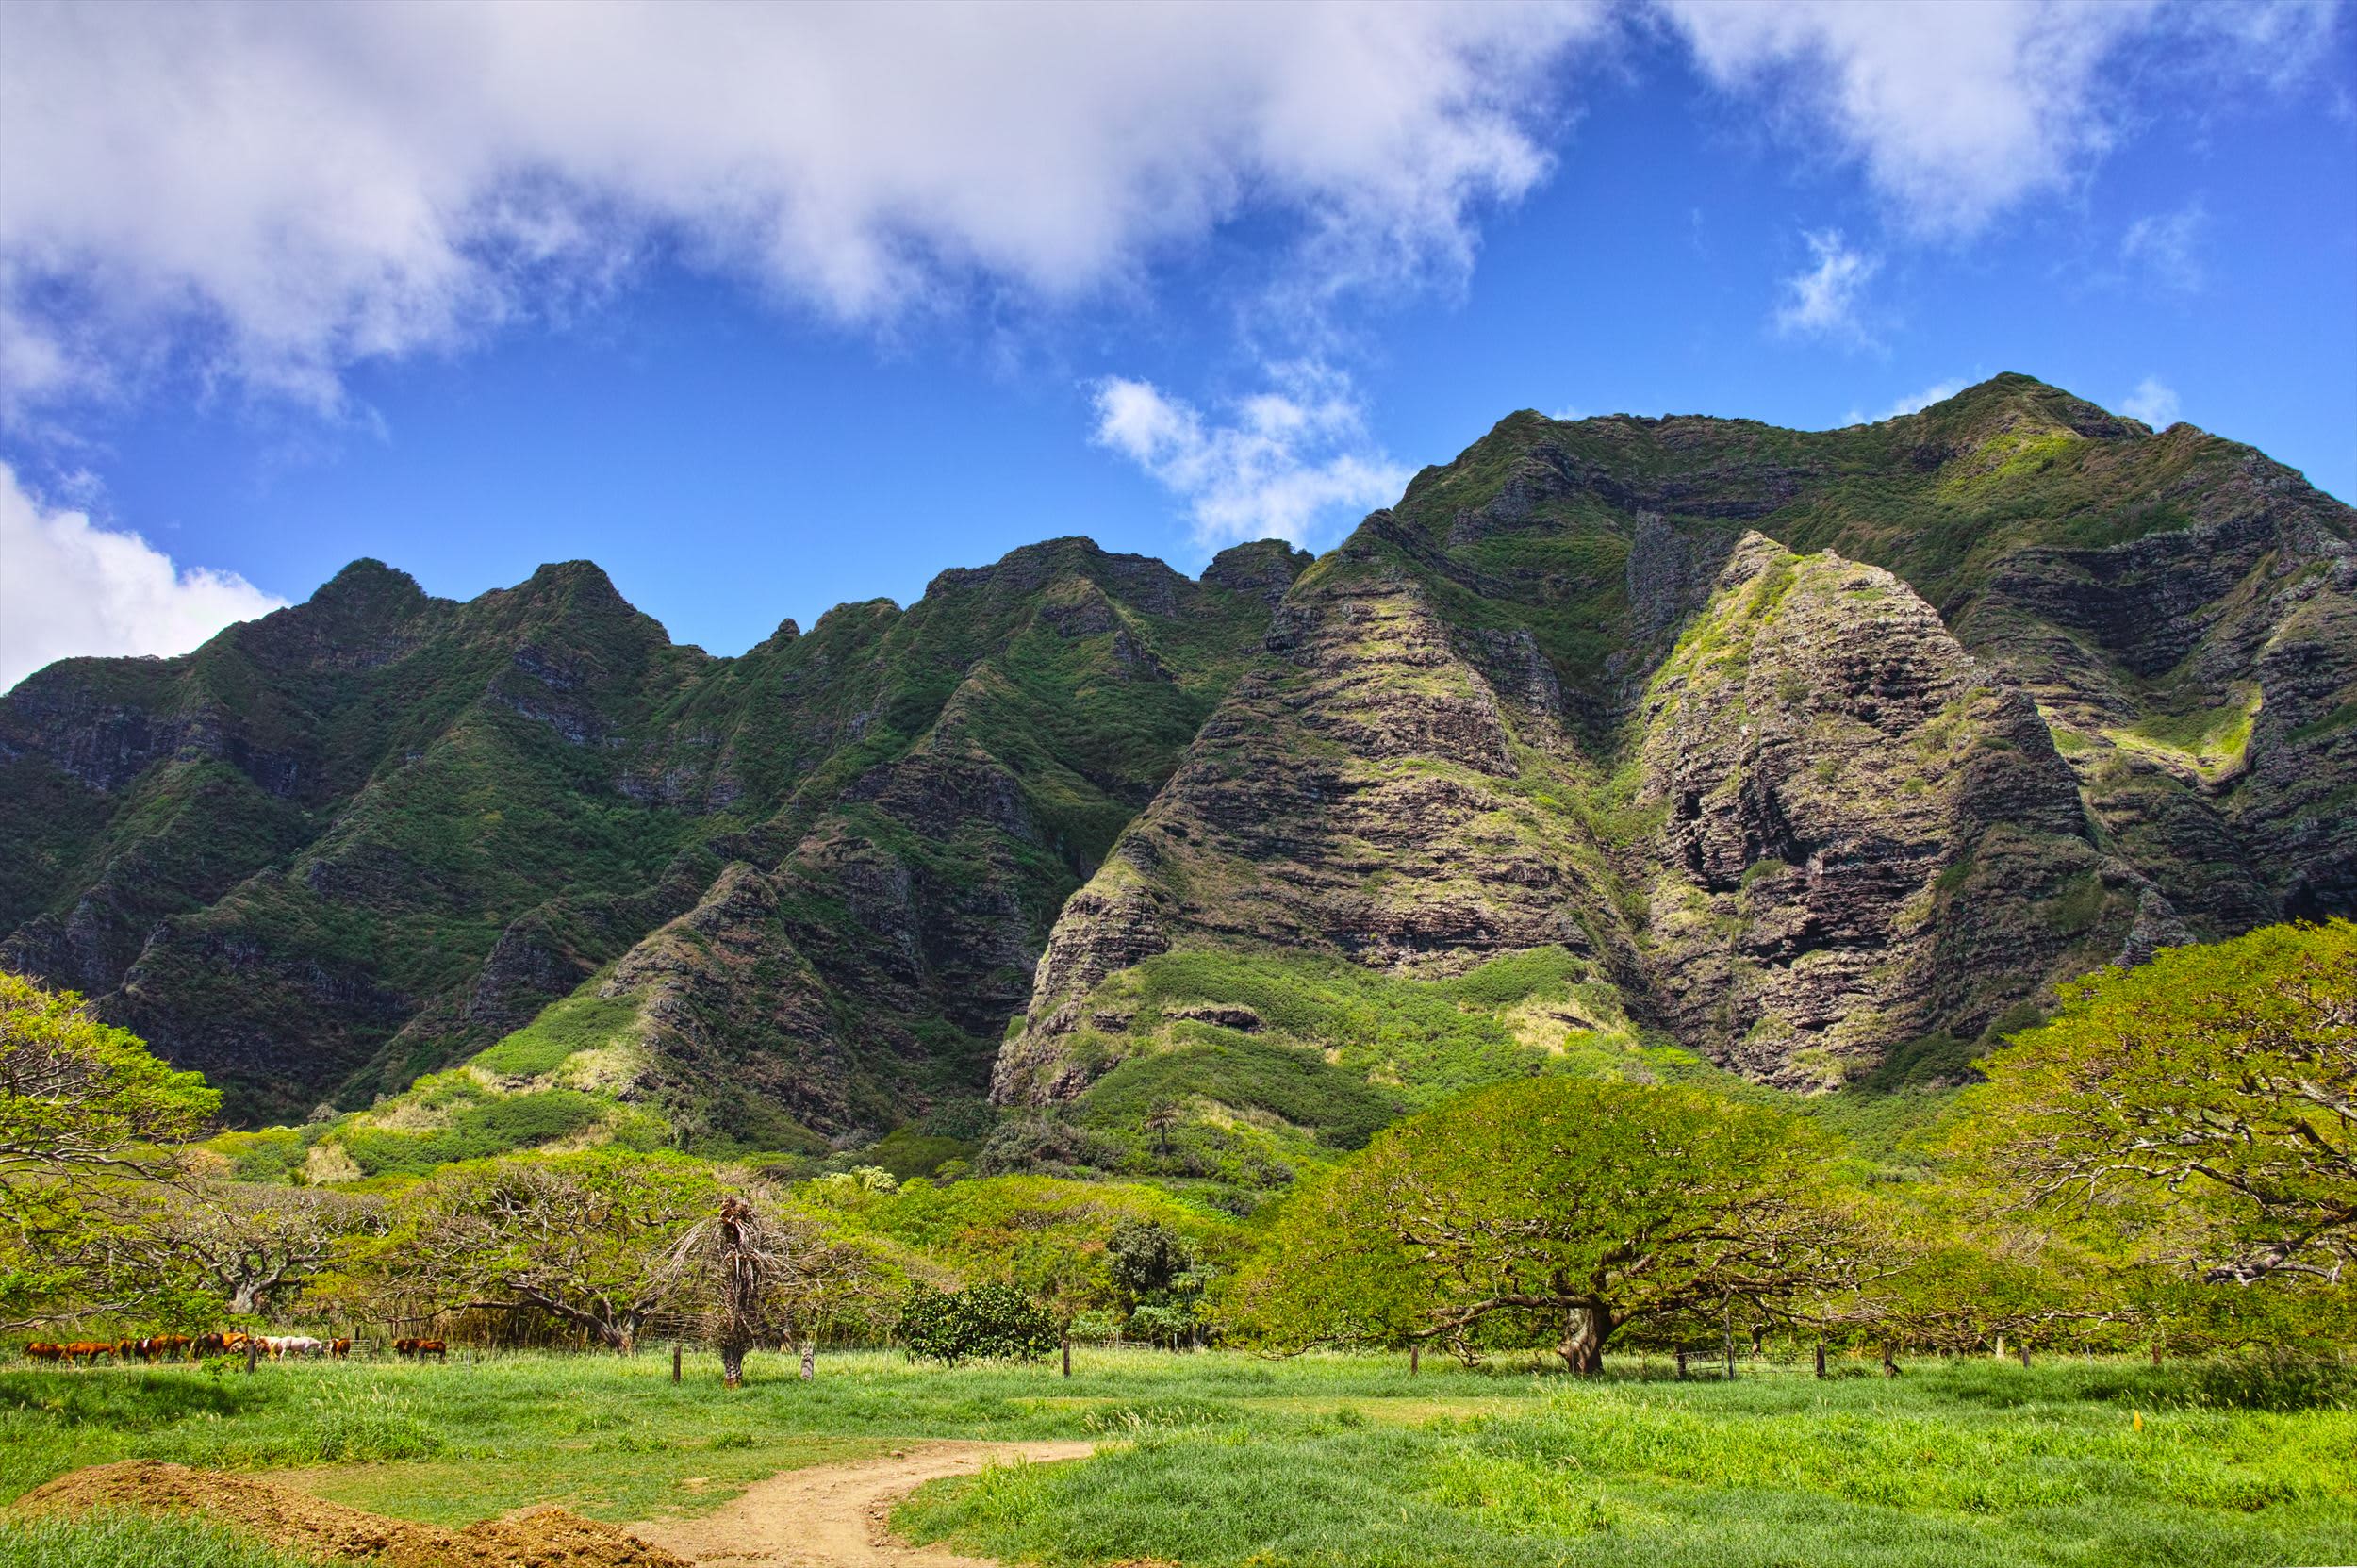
(1865, 833)
(358, 839)
(1828, 752)
(1613, 744)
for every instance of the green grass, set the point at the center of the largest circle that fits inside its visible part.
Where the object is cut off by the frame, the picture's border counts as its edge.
(1979, 1464)
(580, 1022)
(1231, 1459)
(136, 1541)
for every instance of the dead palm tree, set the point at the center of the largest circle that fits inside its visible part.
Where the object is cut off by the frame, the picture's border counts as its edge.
(759, 1279)
(733, 1265)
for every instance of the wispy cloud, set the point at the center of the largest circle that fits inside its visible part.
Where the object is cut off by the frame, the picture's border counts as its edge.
(1959, 109)
(1281, 464)
(1822, 301)
(1913, 402)
(2166, 247)
(2154, 402)
(73, 586)
(277, 193)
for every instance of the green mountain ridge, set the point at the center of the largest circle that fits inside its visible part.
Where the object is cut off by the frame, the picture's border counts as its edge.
(1624, 745)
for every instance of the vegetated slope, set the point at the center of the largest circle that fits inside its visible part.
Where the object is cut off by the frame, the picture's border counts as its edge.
(1827, 753)
(367, 836)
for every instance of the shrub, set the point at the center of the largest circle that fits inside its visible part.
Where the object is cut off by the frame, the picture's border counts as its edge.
(982, 1323)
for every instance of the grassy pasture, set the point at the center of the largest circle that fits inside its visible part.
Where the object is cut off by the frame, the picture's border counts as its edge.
(1228, 1460)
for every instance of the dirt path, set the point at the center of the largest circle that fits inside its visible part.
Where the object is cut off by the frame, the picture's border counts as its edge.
(833, 1515)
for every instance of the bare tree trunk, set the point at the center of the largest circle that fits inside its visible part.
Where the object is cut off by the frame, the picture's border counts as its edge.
(732, 1363)
(1584, 1330)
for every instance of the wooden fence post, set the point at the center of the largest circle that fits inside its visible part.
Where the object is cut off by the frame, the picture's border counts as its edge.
(1416, 1360)
(1890, 1367)
(1681, 1366)
(2025, 1355)
(809, 1361)
(1067, 1355)
(1821, 1358)
(253, 1349)
(675, 1361)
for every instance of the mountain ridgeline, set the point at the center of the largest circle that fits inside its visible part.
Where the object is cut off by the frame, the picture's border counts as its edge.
(1646, 746)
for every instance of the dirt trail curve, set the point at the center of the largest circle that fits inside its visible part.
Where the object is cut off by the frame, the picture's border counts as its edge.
(833, 1515)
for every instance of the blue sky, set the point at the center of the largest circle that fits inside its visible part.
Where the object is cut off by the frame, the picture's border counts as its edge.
(764, 310)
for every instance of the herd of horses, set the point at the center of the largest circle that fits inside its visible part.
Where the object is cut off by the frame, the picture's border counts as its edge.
(194, 1347)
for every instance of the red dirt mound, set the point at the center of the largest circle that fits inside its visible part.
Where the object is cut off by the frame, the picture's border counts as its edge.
(546, 1538)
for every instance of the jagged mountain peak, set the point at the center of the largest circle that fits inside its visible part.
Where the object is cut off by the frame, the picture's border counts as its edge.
(1818, 752)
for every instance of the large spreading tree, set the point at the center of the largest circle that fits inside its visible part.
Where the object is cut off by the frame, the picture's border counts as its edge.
(1568, 1207)
(2208, 1097)
(585, 1238)
(86, 1111)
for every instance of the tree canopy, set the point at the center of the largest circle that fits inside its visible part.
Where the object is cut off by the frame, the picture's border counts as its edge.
(2210, 1095)
(1583, 1205)
(79, 1096)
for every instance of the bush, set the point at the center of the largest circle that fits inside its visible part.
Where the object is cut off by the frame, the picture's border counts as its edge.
(1041, 1145)
(982, 1323)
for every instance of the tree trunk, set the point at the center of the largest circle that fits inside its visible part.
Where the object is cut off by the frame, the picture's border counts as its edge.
(731, 1365)
(243, 1300)
(1584, 1330)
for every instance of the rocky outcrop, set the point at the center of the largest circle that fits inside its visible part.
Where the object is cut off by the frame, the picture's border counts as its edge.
(1831, 750)
(1832, 771)
(367, 836)
(1814, 752)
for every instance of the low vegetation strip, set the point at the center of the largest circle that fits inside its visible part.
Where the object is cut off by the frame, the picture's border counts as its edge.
(1957, 1464)
(1220, 1459)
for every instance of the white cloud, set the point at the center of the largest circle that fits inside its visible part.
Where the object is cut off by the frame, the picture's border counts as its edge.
(1913, 402)
(2154, 402)
(2167, 246)
(1287, 458)
(1822, 301)
(1957, 109)
(70, 587)
(281, 191)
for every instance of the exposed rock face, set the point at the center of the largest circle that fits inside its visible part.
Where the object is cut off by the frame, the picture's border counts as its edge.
(359, 838)
(2024, 689)
(1816, 752)
(1848, 799)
